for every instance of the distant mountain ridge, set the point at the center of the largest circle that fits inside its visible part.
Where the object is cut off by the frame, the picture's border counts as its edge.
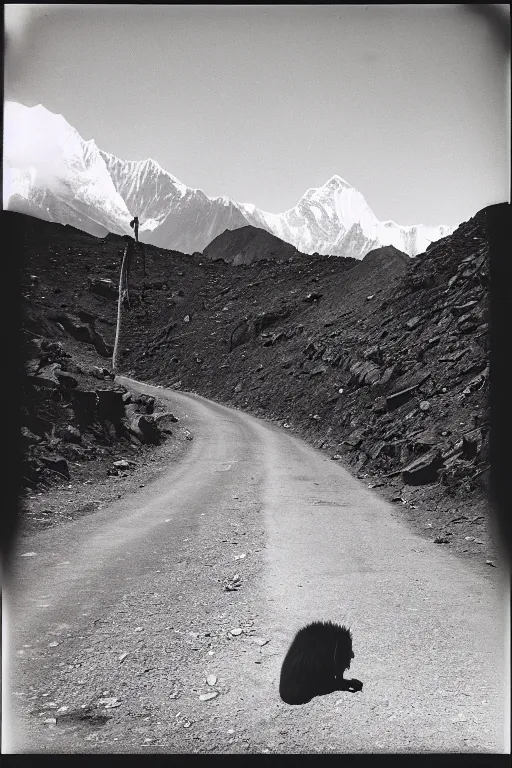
(54, 174)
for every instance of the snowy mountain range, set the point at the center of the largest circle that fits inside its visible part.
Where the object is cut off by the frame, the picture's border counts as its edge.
(50, 172)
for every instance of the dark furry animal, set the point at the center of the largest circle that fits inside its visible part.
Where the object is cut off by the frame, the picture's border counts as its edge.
(316, 660)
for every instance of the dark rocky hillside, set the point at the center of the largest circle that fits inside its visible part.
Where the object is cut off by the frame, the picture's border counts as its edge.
(76, 422)
(383, 363)
(247, 244)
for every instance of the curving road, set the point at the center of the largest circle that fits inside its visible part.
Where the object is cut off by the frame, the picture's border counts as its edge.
(128, 606)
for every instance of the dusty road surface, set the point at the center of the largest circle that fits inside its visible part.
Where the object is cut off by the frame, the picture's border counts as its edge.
(120, 623)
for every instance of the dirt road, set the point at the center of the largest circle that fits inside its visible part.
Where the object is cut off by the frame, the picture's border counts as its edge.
(116, 619)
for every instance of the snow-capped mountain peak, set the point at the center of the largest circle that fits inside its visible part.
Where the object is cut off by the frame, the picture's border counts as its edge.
(336, 181)
(50, 171)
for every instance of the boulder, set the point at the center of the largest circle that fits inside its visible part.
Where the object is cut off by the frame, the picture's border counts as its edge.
(110, 405)
(472, 444)
(87, 317)
(58, 465)
(423, 470)
(47, 377)
(461, 309)
(354, 439)
(84, 405)
(69, 434)
(364, 372)
(424, 441)
(399, 398)
(73, 326)
(122, 464)
(130, 410)
(164, 420)
(317, 370)
(66, 379)
(74, 452)
(100, 345)
(477, 382)
(374, 354)
(388, 374)
(145, 428)
(314, 351)
(311, 297)
(54, 348)
(240, 334)
(103, 286)
(416, 283)
(272, 340)
(146, 403)
(266, 319)
(164, 417)
(379, 406)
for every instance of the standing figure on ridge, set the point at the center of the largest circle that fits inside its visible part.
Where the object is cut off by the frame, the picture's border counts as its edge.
(134, 224)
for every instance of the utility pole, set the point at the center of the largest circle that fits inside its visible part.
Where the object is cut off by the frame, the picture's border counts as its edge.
(127, 255)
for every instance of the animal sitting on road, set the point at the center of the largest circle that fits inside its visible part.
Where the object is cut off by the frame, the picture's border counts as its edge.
(315, 663)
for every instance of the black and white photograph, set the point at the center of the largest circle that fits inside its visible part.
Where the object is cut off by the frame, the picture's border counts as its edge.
(257, 276)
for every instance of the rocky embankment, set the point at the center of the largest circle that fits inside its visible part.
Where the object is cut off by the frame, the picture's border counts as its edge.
(77, 425)
(384, 363)
(74, 412)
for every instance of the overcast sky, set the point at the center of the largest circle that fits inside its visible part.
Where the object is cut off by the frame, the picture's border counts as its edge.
(408, 103)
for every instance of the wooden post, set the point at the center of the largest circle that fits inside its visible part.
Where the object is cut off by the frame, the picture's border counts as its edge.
(122, 279)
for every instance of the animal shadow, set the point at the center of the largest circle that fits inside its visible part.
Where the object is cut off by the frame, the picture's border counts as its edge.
(315, 663)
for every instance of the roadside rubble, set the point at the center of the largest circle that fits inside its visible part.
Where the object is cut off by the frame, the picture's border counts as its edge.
(68, 417)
